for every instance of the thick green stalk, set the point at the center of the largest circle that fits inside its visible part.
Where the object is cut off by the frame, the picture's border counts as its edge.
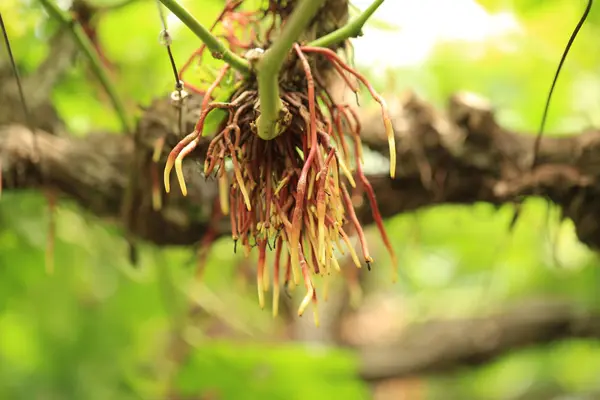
(91, 54)
(218, 49)
(351, 29)
(271, 62)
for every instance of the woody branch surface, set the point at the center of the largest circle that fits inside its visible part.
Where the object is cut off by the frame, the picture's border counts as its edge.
(460, 156)
(443, 345)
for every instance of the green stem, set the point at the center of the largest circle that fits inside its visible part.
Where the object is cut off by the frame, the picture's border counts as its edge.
(91, 54)
(269, 66)
(351, 29)
(218, 49)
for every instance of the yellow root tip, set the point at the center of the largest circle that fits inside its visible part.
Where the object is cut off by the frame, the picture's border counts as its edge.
(246, 198)
(336, 265)
(180, 177)
(295, 264)
(353, 254)
(167, 175)
(306, 301)
(224, 194)
(392, 145)
(321, 240)
(347, 173)
(261, 291)
(275, 300)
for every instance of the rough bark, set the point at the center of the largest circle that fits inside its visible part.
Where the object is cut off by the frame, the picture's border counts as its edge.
(440, 346)
(460, 156)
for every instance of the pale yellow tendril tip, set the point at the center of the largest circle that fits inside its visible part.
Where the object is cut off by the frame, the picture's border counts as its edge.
(261, 291)
(224, 194)
(167, 175)
(347, 173)
(306, 301)
(295, 266)
(392, 145)
(275, 300)
(180, 176)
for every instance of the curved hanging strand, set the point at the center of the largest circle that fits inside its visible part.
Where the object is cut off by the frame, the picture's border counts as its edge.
(15, 69)
(538, 139)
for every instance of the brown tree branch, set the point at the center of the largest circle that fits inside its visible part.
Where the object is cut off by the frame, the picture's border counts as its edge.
(461, 156)
(439, 346)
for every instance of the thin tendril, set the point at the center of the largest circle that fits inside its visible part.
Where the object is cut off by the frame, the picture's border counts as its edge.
(13, 64)
(166, 41)
(538, 138)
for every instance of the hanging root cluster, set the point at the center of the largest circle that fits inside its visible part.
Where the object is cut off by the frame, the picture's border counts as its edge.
(289, 194)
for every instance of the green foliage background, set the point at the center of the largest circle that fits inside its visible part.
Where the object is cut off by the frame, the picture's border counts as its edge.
(99, 329)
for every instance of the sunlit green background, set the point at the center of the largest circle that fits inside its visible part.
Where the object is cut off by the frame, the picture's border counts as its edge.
(100, 329)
